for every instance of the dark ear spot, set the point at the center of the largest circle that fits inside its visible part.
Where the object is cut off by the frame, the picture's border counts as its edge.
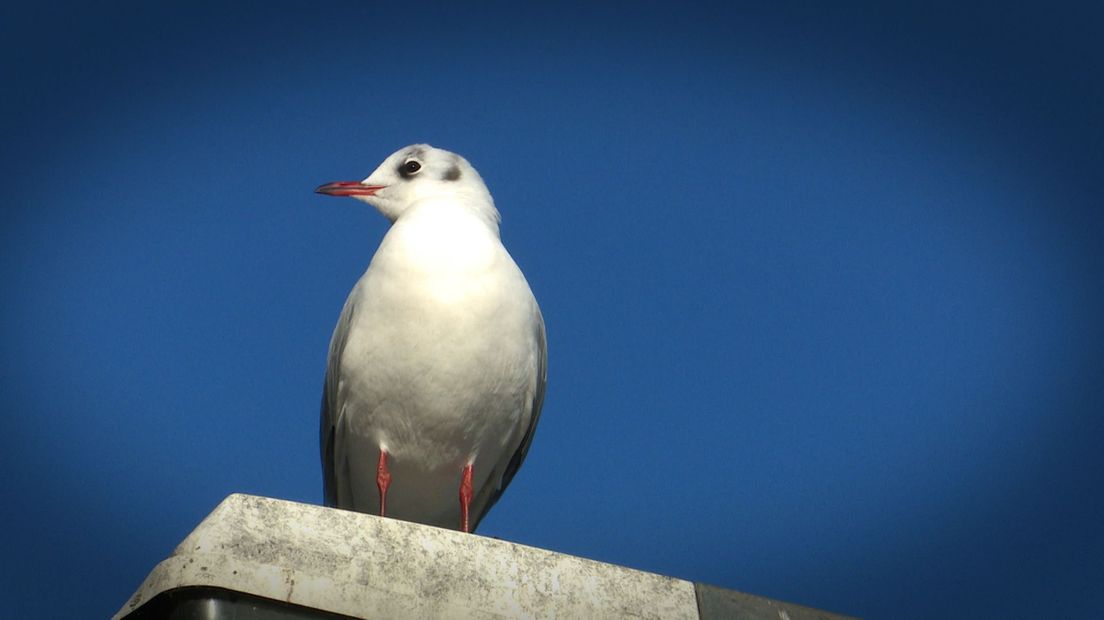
(452, 173)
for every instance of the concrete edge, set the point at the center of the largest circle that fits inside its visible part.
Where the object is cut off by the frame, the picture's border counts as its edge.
(365, 565)
(358, 565)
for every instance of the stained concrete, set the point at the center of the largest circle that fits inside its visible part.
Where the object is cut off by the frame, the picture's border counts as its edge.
(271, 558)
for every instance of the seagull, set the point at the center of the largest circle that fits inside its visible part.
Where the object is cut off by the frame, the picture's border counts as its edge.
(437, 367)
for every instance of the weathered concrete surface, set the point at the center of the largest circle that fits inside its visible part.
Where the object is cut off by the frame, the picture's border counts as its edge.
(366, 566)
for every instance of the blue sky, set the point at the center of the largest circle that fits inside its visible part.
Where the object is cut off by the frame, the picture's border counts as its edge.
(823, 286)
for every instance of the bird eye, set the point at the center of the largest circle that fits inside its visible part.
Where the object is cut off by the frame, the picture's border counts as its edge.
(410, 168)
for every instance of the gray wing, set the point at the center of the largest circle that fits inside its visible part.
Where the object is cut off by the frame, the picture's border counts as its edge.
(523, 448)
(330, 442)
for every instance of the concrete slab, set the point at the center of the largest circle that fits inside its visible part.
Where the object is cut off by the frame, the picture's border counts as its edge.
(369, 567)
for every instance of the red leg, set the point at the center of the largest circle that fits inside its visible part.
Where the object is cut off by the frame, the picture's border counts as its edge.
(465, 497)
(383, 480)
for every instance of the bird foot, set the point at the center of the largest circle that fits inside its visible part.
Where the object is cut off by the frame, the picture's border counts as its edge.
(465, 497)
(383, 481)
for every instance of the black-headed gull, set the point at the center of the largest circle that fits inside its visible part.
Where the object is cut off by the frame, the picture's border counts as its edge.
(436, 370)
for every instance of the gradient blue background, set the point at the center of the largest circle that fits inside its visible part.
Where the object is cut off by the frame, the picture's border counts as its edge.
(824, 286)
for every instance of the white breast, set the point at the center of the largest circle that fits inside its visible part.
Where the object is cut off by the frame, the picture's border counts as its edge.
(440, 360)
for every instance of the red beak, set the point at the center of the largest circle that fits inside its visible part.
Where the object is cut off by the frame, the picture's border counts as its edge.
(348, 188)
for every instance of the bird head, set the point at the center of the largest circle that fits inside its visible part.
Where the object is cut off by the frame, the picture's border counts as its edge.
(415, 173)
